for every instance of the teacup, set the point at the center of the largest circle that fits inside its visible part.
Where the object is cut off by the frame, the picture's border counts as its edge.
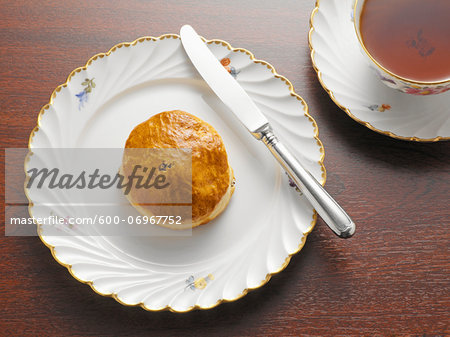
(388, 76)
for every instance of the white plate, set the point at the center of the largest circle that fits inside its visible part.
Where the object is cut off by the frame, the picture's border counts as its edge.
(356, 89)
(267, 220)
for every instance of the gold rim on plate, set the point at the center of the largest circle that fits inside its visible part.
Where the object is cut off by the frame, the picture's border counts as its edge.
(347, 110)
(162, 37)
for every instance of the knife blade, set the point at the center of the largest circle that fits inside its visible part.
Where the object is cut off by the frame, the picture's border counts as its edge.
(229, 91)
(236, 99)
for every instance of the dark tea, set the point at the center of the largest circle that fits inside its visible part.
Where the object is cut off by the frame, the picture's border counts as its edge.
(410, 38)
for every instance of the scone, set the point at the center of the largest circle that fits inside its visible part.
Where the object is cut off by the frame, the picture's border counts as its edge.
(212, 176)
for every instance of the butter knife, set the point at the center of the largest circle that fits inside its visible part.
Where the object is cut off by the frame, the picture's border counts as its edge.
(236, 99)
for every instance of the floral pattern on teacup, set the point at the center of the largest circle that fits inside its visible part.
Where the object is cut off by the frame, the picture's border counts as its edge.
(410, 88)
(427, 90)
(407, 87)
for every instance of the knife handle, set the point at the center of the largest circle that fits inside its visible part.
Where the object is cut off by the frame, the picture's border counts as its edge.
(330, 211)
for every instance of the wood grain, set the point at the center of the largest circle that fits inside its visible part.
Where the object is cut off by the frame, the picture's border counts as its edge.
(391, 278)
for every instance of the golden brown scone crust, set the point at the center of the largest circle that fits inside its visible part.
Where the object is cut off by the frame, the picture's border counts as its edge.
(212, 177)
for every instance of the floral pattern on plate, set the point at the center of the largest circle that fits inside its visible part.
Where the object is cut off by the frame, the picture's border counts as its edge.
(199, 283)
(88, 84)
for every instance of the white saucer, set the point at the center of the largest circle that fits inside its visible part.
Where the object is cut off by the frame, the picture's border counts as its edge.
(356, 89)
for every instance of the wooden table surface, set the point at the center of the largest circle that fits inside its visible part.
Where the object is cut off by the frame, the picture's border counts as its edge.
(391, 278)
